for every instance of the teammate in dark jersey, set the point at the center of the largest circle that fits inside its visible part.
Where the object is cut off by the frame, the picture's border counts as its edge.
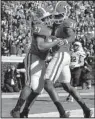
(60, 63)
(35, 65)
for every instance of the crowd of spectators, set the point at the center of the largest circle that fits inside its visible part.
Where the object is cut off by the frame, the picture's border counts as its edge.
(15, 27)
(84, 14)
(16, 24)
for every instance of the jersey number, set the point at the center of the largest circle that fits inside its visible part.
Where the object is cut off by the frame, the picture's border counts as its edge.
(37, 29)
(73, 59)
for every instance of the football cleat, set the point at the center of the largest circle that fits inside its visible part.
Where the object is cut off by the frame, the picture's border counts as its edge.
(88, 114)
(24, 114)
(66, 115)
(15, 114)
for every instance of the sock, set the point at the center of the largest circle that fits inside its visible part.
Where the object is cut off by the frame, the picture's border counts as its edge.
(84, 107)
(54, 96)
(76, 96)
(23, 96)
(60, 108)
(80, 101)
(30, 101)
(19, 104)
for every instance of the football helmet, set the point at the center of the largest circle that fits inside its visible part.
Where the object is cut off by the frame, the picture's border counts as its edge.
(77, 46)
(45, 16)
(78, 43)
(62, 11)
(55, 14)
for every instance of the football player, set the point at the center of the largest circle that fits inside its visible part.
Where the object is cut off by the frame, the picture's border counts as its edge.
(35, 65)
(77, 62)
(31, 97)
(60, 63)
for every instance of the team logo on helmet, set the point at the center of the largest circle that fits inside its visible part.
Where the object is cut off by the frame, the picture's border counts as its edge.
(54, 14)
(62, 7)
(62, 11)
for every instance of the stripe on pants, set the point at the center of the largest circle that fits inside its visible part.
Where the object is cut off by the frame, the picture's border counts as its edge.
(59, 69)
(59, 60)
(54, 66)
(29, 71)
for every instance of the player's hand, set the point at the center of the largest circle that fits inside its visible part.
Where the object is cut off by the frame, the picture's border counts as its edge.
(61, 42)
(65, 41)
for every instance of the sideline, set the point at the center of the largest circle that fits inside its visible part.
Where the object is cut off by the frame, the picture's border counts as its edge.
(73, 113)
(43, 95)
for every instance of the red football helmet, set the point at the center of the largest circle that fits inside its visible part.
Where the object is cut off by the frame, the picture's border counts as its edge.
(62, 11)
(49, 15)
(45, 16)
(62, 7)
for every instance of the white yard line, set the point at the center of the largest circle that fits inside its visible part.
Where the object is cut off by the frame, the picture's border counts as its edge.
(44, 95)
(73, 113)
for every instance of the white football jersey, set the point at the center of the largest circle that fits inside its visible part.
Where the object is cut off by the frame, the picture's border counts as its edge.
(77, 59)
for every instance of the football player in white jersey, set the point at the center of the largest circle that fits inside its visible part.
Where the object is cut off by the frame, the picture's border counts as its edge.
(77, 62)
(77, 56)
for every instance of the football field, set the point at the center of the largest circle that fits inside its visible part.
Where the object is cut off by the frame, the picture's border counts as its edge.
(44, 107)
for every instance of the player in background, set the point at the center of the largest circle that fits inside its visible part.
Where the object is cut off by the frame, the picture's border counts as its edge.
(77, 62)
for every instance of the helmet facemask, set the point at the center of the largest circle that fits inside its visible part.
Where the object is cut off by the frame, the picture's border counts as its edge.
(77, 46)
(48, 21)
